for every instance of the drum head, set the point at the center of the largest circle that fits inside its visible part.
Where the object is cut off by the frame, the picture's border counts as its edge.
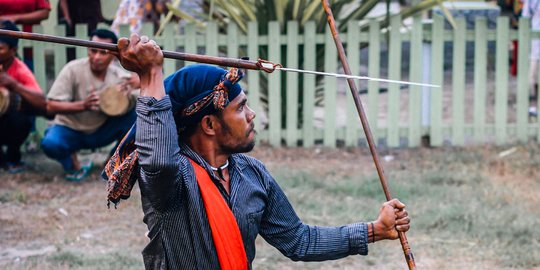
(113, 102)
(4, 100)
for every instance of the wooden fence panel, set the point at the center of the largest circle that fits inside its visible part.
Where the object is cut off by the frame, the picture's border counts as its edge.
(437, 77)
(274, 86)
(522, 98)
(60, 59)
(510, 116)
(374, 71)
(501, 78)
(232, 41)
(253, 76)
(212, 39)
(190, 41)
(480, 78)
(292, 85)
(415, 92)
(39, 59)
(330, 65)
(394, 73)
(81, 32)
(39, 73)
(352, 125)
(458, 84)
(309, 84)
(169, 66)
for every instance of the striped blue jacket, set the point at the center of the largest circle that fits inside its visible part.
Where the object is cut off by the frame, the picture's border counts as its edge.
(180, 236)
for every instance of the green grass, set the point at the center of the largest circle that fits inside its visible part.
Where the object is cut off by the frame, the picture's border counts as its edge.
(457, 212)
(83, 261)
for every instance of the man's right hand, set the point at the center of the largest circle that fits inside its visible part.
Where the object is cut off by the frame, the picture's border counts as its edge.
(139, 54)
(91, 102)
(144, 57)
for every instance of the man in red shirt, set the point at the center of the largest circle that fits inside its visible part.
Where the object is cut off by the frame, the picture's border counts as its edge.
(26, 100)
(27, 13)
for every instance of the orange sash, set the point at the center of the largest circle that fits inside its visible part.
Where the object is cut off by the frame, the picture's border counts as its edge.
(225, 232)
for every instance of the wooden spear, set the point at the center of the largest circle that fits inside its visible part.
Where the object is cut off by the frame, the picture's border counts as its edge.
(363, 119)
(213, 60)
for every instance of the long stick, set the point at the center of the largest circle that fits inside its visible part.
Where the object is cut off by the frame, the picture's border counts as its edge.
(221, 61)
(342, 56)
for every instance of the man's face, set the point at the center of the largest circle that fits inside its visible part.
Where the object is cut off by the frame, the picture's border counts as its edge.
(6, 52)
(236, 131)
(99, 59)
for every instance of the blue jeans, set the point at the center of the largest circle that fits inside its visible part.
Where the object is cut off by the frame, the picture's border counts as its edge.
(60, 141)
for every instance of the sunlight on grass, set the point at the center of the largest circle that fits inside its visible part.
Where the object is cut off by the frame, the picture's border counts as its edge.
(456, 211)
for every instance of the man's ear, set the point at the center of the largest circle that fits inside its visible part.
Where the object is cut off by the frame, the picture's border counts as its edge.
(208, 124)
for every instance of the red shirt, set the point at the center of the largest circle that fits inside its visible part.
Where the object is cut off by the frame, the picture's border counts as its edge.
(10, 7)
(21, 73)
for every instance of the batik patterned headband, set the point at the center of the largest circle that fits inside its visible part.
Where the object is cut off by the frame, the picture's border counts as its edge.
(219, 96)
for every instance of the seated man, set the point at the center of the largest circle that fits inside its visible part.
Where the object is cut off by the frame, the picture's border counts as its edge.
(74, 98)
(18, 84)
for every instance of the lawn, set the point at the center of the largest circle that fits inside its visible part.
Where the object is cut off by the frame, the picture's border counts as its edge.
(471, 208)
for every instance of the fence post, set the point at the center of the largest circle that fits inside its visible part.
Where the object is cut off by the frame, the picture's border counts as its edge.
(374, 71)
(522, 114)
(330, 93)
(480, 77)
(394, 73)
(254, 76)
(437, 68)
(292, 84)
(81, 32)
(274, 86)
(59, 51)
(232, 40)
(190, 40)
(169, 43)
(501, 77)
(353, 125)
(415, 94)
(40, 74)
(310, 58)
(458, 82)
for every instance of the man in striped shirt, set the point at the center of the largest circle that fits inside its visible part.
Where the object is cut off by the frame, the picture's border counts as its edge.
(198, 121)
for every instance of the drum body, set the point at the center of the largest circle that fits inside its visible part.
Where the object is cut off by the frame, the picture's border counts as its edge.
(114, 102)
(9, 101)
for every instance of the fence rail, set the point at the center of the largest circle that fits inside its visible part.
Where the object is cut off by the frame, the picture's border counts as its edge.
(479, 101)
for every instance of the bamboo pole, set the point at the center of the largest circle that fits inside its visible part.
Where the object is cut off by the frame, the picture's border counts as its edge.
(363, 119)
(213, 60)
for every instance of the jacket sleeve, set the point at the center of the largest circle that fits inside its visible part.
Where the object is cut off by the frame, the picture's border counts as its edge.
(159, 154)
(281, 227)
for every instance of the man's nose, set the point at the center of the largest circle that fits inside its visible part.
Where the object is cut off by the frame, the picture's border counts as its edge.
(251, 114)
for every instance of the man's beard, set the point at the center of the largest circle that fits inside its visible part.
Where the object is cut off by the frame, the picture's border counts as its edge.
(229, 149)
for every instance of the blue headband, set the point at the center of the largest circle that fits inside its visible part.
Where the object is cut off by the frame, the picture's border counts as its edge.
(196, 83)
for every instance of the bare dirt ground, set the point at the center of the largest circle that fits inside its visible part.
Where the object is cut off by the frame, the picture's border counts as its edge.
(48, 223)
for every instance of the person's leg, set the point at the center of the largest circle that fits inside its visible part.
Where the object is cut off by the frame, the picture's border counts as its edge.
(533, 75)
(112, 130)
(60, 143)
(3, 138)
(19, 126)
(533, 70)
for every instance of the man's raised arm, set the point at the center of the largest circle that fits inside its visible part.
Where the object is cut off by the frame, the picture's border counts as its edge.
(156, 137)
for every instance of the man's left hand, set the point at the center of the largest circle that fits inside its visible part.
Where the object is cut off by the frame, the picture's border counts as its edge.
(6, 80)
(392, 218)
